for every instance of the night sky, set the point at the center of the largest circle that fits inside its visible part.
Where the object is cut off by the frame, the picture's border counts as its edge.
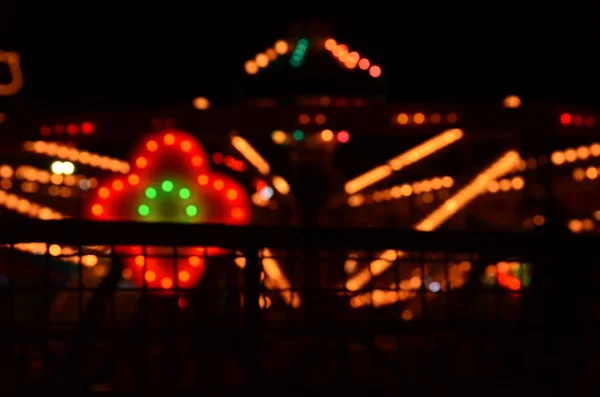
(87, 59)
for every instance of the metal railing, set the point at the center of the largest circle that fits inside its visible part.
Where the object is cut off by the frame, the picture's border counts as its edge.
(74, 315)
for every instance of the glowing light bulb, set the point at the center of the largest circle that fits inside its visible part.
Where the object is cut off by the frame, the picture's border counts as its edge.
(184, 193)
(167, 186)
(191, 210)
(144, 210)
(151, 193)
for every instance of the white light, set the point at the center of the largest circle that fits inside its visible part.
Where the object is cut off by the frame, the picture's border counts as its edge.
(434, 287)
(266, 193)
(68, 168)
(57, 167)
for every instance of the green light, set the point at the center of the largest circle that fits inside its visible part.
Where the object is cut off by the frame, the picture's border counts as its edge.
(144, 210)
(191, 210)
(167, 185)
(185, 193)
(151, 193)
(298, 135)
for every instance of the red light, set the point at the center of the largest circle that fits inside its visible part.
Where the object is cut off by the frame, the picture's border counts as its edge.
(343, 136)
(577, 119)
(364, 64)
(589, 121)
(565, 119)
(59, 128)
(72, 129)
(183, 303)
(375, 71)
(87, 128)
(217, 158)
(514, 284)
(45, 130)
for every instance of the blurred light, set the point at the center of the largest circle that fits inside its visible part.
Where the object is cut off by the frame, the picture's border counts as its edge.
(299, 52)
(375, 71)
(62, 168)
(87, 128)
(419, 118)
(298, 135)
(281, 47)
(262, 60)
(201, 103)
(565, 119)
(330, 44)
(279, 137)
(343, 136)
(402, 119)
(266, 193)
(251, 67)
(364, 64)
(327, 135)
(434, 286)
(512, 102)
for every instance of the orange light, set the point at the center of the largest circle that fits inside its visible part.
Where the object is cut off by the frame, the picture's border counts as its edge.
(237, 213)
(330, 44)
(327, 135)
(203, 179)
(140, 260)
(251, 67)
(150, 276)
(194, 261)
(218, 184)
(402, 119)
(152, 146)
(197, 161)
(133, 179)
(232, 194)
(201, 103)
(118, 185)
(452, 118)
(186, 146)
(97, 209)
(364, 64)
(375, 71)
(169, 139)
(103, 192)
(184, 276)
(320, 119)
(565, 119)
(141, 162)
(353, 57)
(166, 283)
(419, 118)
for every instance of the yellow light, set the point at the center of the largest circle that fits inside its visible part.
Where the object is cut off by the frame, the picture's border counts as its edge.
(281, 185)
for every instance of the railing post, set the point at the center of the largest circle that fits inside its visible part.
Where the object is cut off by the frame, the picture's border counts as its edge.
(252, 315)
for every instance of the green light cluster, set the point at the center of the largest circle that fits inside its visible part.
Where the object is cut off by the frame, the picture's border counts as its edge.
(167, 186)
(299, 53)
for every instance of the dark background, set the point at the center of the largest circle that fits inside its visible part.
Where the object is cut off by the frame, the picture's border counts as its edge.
(119, 56)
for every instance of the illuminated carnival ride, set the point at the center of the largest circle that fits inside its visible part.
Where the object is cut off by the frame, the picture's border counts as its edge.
(172, 178)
